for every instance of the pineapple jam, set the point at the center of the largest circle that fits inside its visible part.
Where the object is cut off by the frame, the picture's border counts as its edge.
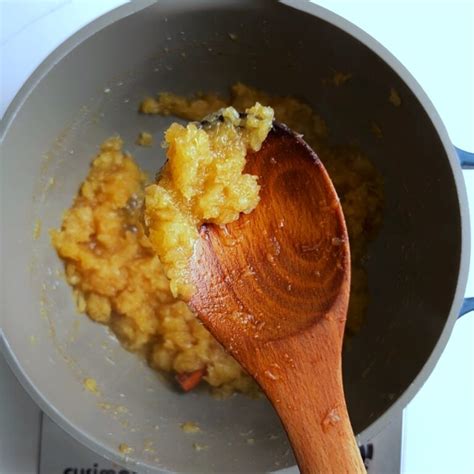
(202, 182)
(125, 243)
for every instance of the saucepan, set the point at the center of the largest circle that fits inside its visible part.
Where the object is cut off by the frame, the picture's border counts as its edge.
(89, 88)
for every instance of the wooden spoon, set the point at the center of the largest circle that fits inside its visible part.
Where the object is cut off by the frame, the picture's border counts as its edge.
(273, 288)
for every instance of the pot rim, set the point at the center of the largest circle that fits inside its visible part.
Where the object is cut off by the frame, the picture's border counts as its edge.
(328, 16)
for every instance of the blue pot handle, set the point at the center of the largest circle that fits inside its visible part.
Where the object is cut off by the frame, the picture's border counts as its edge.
(466, 160)
(467, 306)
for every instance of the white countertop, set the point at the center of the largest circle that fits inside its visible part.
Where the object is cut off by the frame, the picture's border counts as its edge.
(435, 41)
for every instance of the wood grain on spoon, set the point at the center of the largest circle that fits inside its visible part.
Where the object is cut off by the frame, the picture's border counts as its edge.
(273, 288)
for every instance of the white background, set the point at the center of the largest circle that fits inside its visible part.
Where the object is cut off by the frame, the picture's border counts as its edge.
(435, 41)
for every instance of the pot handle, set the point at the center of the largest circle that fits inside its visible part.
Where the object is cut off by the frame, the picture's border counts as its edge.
(467, 306)
(466, 160)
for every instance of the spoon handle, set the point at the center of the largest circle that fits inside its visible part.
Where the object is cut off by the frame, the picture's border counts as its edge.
(305, 387)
